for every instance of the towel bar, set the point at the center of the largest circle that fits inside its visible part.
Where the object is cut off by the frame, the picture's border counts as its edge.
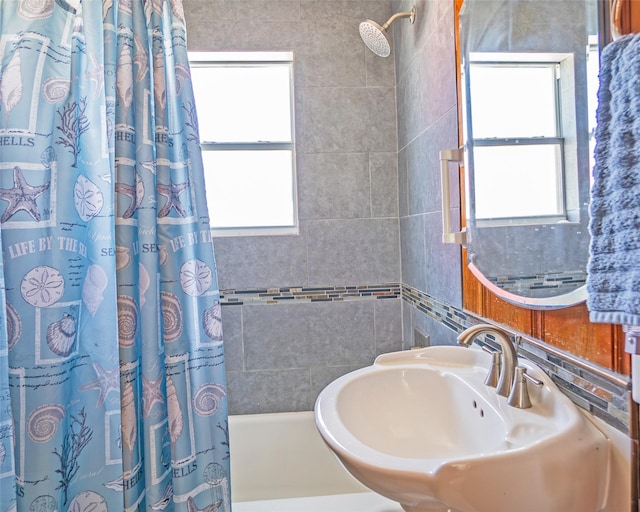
(448, 235)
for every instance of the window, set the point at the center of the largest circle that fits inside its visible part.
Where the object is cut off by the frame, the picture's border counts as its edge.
(518, 140)
(246, 123)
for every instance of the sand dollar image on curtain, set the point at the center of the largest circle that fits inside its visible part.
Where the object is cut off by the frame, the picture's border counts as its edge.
(112, 384)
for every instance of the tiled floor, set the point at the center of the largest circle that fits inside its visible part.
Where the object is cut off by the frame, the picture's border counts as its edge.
(359, 502)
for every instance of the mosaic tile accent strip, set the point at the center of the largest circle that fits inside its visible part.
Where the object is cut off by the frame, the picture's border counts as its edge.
(604, 398)
(452, 317)
(299, 294)
(541, 286)
(600, 397)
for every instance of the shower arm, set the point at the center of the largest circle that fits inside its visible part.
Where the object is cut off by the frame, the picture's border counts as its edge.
(409, 14)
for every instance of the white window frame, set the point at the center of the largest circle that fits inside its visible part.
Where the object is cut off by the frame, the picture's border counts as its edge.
(563, 64)
(208, 59)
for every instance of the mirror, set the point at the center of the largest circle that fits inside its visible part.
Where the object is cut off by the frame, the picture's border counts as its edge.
(529, 79)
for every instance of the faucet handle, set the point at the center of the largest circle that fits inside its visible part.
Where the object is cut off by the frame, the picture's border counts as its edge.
(531, 379)
(494, 370)
(519, 396)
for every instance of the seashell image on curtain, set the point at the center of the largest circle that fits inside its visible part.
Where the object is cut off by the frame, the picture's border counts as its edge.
(112, 379)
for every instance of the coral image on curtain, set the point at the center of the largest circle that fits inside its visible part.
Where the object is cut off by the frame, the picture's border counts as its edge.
(112, 382)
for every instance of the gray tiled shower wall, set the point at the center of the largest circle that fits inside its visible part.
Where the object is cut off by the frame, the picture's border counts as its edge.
(279, 356)
(368, 133)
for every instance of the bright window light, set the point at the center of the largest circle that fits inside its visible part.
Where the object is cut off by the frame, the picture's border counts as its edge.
(245, 114)
(517, 141)
(244, 103)
(261, 181)
(517, 181)
(502, 94)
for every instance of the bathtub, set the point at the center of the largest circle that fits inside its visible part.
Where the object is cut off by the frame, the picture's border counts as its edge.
(280, 463)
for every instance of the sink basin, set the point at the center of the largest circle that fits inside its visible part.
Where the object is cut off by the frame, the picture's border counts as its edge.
(421, 428)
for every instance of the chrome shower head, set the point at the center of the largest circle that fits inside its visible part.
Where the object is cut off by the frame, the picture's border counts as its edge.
(377, 38)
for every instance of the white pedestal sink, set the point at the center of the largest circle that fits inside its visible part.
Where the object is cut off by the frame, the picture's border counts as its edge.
(421, 428)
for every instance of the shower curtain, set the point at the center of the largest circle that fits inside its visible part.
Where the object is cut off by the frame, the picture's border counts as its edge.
(112, 384)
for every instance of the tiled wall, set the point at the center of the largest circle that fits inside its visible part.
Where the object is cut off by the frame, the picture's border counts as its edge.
(300, 311)
(427, 123)
(280, 355)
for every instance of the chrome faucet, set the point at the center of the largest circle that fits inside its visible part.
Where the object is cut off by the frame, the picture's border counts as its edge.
(509, 356)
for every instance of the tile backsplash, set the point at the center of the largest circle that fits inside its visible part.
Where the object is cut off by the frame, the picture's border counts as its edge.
(279, 358)
(600, 392)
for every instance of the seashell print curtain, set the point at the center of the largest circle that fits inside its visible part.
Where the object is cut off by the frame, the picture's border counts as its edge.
(112, 383)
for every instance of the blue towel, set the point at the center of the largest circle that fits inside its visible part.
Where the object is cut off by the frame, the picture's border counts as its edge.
(613, 282)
